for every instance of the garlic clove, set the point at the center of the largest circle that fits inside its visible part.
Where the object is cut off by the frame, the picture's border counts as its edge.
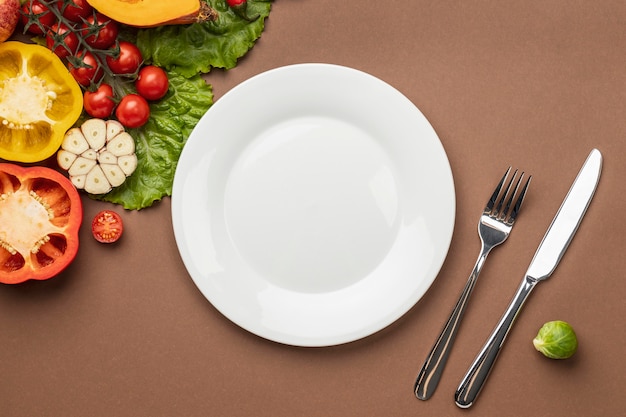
(81, 166)
(78, 181)
(113, 128)
(122, 144)
(128, 163)
(89, 154)
(96, 182)
(95, 132)
(74, 141)
(107, 157)
(65, 159)
(114, 174)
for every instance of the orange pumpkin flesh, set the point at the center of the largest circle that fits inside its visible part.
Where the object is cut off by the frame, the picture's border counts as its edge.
(150, 13)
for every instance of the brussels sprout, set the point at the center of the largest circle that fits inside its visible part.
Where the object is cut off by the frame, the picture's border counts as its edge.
(556, 340)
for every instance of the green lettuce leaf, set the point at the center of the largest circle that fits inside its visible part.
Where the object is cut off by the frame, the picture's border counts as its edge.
(193, 49)
(160, 141)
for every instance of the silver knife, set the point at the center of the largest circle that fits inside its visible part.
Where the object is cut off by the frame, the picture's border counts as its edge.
(547, 257)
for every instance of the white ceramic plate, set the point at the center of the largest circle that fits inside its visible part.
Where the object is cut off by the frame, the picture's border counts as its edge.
(313, 205)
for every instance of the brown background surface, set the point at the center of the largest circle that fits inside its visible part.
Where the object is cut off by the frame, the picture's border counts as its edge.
(533, 84)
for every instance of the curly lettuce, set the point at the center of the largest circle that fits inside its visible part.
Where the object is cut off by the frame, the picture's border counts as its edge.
(193, 49)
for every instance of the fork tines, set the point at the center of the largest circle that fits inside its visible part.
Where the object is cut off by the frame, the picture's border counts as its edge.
(499, 197)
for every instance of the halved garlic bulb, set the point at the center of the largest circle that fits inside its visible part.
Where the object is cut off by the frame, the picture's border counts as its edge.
(98, 155)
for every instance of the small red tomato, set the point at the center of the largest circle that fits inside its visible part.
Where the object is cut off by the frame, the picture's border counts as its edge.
(86, 70)
(133, 111)
(107, 226)
(64, 38)
(100, 32)
(152, 82)
(37, 12)
(128, 60)
(99, 103)
(75, 10)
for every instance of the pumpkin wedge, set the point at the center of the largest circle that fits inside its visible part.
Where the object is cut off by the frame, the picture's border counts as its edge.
(150, 13)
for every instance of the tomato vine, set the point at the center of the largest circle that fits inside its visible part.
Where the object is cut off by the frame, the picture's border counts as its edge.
(96, 49)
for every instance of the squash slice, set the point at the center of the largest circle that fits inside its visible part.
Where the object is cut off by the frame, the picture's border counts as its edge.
(150, 13)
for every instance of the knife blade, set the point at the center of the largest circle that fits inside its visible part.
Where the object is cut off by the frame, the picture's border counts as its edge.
(548, 255)
(567, 219)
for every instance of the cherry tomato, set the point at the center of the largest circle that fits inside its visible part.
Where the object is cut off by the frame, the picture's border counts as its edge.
(128, 61)
(99, 103)
(88, 71)
(102, 31)
(75, 12)
(39, 11)
(66, 40)
(133, 111)
(152, 82)
(107, 226)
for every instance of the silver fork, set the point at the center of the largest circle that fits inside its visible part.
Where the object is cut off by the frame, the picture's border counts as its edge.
(494, 227)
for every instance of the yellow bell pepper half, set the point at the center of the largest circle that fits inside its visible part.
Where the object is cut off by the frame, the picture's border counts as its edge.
(39, 102)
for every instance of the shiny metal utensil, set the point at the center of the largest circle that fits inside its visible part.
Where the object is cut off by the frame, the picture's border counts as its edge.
(547, 257)
(494, 227)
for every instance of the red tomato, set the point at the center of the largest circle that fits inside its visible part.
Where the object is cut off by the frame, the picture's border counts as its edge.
(88, 71)
(107, 226)
(61, 40)
(133, 111)
(99, 103)
(152, 82)
(33, 12)
(128, 61)
(100, 32)
(75, 12)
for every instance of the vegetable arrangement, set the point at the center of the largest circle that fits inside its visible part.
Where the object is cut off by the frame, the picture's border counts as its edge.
(150, 77)
(115, 101)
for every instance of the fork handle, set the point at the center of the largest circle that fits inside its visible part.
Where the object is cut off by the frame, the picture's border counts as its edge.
(432, 369)
(481, 367)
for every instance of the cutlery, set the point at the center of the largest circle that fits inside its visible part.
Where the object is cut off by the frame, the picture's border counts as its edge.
(543, 264)
(494, 227)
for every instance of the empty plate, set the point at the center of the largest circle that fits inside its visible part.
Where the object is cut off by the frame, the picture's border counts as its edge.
(313, 205)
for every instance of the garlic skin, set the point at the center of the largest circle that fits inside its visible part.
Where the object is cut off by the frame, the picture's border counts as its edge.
(98, 156)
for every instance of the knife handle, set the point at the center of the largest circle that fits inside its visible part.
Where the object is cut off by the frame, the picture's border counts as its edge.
(477, 374)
